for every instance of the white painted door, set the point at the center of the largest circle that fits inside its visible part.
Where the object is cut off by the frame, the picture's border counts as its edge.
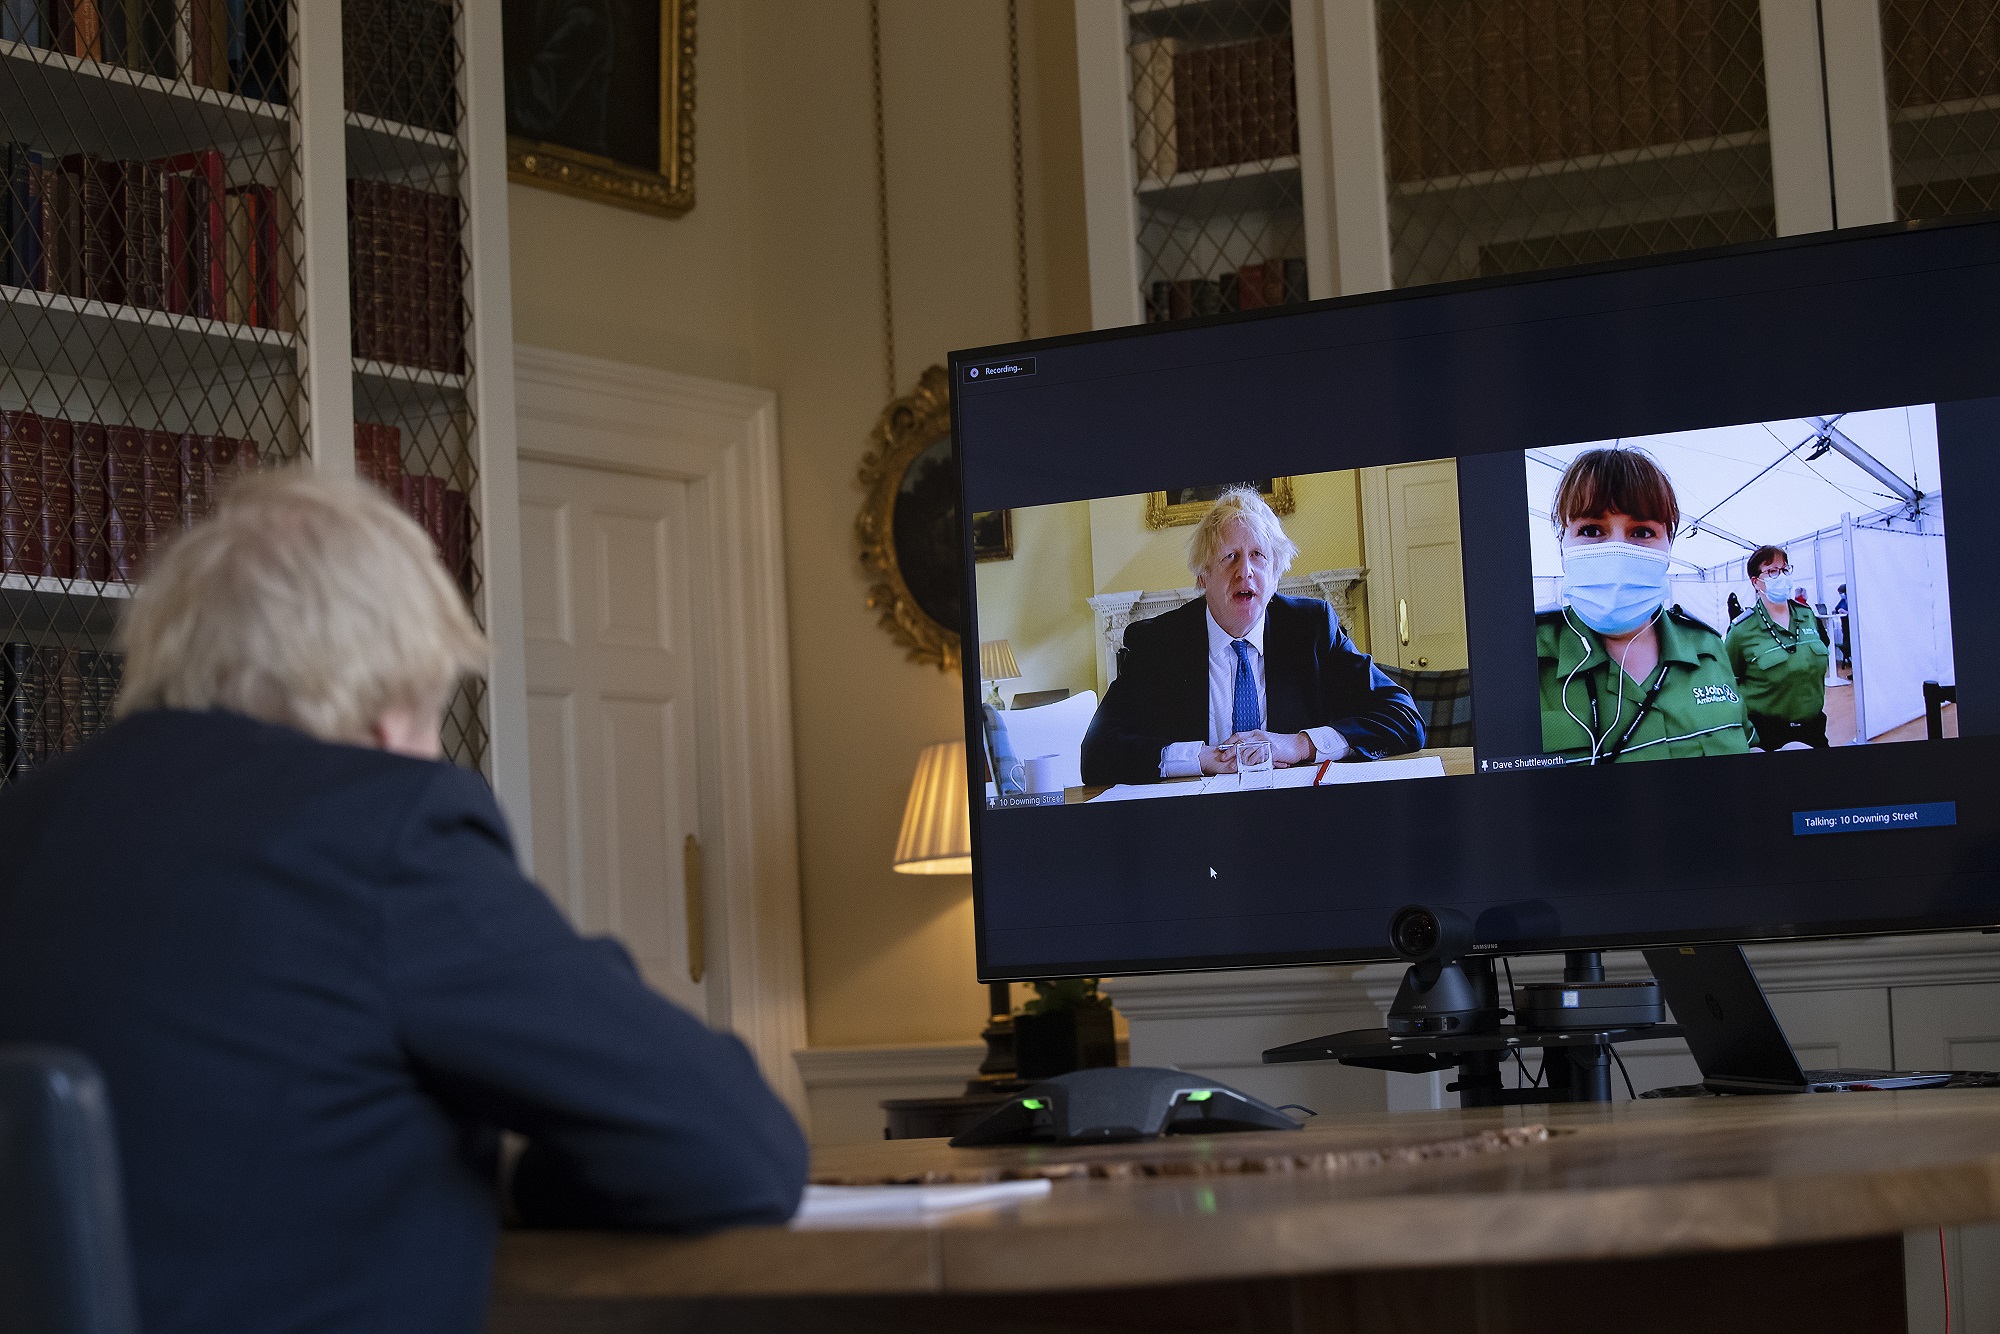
(610, 570)
(1424, 615)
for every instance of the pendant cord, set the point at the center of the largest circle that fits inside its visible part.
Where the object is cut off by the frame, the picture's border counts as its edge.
(1020, 176)
(882, 200)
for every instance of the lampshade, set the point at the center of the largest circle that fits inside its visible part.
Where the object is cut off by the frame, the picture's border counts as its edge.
(937, 834)
(996, 661)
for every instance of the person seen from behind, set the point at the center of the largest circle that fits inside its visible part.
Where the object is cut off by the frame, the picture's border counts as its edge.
(299, 947)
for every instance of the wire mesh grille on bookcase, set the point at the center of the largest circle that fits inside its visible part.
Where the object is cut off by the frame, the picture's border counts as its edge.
(1530, 134)
(1216, 142)
(413, 422)
(148, 305)
(1941, 59)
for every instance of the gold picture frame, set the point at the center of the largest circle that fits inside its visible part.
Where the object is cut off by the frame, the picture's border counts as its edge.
(1166, 509)
(909, 428)
(668, 191)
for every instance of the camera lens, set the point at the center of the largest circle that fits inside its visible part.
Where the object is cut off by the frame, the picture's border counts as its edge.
(1416, 933)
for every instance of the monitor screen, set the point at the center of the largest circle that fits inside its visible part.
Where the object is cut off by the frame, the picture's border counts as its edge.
(1611, 607)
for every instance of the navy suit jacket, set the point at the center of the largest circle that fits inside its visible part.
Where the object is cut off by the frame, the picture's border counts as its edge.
(315, 981)
(1313, 677)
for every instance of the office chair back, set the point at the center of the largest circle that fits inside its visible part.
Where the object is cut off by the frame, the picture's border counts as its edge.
(64, 1267)
(1443, 700)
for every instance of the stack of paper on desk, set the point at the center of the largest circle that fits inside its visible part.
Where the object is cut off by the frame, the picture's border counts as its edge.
(1378, 771)
(839, 1206)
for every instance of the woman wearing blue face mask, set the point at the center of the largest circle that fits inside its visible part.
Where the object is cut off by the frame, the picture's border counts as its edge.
(1778, 651)
(1625, 675)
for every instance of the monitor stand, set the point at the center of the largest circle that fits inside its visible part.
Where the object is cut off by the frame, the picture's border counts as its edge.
(1576, 1063)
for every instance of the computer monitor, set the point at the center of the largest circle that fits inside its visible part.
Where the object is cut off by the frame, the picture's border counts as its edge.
(1460, 470)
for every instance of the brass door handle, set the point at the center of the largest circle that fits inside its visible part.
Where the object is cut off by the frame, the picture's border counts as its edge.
(1423, 662)
(697, 908)
(1403, 620)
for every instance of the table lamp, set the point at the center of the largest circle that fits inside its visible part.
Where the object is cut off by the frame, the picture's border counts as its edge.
(936, 839)
(996, 664)
(937, 834)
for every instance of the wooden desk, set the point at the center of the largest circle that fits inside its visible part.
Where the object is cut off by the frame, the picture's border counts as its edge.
(1711, 1214)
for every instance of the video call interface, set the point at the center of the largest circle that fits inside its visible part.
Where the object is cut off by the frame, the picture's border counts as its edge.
(1609, 607)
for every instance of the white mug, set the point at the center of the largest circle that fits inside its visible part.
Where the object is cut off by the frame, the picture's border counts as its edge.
(1045, 773)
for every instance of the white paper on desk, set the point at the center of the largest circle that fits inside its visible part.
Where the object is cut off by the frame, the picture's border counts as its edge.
(1376, 771)
(891, 1204)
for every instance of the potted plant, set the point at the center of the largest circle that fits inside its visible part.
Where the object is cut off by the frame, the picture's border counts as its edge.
(1067, 1026)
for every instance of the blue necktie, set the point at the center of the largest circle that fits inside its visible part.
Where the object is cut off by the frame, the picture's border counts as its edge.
(1245, 716)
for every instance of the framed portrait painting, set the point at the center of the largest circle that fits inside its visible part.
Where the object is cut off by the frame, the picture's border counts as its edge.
(600, 99)
(1186, 504)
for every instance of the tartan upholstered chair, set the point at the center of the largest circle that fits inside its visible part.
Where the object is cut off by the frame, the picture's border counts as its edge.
(1444, 702)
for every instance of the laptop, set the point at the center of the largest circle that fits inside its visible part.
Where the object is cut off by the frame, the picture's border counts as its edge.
(1736, 1039)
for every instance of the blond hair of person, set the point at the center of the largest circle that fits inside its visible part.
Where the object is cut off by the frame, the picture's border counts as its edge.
(1240, 503)
(304, 600)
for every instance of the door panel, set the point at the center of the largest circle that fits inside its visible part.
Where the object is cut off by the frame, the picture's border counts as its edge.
(552, 791)
(613, 739)
(1427, 572)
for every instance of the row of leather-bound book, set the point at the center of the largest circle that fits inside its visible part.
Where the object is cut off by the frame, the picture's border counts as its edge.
(404, 275)
(232, 46)
(161, 234)
(1481, 85)
(439, 509)
(86, 500)
(1200, 106)
(53, 698)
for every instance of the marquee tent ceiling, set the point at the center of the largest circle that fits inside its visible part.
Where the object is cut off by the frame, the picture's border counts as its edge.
(1761, 483)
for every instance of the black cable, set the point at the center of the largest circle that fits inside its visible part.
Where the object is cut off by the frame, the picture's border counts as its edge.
(1623, 1071)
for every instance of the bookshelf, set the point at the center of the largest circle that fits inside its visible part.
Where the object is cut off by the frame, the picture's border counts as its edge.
(231, 316)
(1446, 139)
(1211, 164)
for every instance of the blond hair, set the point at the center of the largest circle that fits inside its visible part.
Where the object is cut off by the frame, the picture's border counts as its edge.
(305, 600)
(1239, 502)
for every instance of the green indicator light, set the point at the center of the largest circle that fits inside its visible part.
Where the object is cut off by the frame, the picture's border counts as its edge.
(1033, 1104)
(1201, 1095)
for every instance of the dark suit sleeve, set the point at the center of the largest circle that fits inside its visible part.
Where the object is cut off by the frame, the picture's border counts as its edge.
(1125, 738)
(636, 1113)
(1374, 714)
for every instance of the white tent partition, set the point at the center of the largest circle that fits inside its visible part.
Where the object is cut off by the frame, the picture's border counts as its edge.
(1902, 624)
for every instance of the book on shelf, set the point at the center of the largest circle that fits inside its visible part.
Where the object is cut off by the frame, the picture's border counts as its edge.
(159, 235)
(404, 280)
(1153, 107)
(441, 510)
(1271, 282)
(53, 698)
(231, 46)
(1486, 85)
(400, 61)
(1196, 107)
(90, 500)
(1936, 53)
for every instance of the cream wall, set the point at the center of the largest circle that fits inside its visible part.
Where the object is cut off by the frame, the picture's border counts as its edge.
(1032, 601)
(1127, 555)
(772, 280)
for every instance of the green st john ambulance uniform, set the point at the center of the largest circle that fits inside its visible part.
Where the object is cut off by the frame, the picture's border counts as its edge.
(1781, 670)
(1686, 706)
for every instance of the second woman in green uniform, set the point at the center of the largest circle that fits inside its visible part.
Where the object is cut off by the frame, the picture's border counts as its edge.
(1624, 675)
(1778, 653)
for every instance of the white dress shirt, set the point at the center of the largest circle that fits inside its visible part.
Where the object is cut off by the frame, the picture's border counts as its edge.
(1182, 759)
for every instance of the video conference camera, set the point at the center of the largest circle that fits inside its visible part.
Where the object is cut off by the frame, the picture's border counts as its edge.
(1442, 993)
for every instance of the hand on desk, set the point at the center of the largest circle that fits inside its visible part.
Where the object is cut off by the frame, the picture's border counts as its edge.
(1287, 749)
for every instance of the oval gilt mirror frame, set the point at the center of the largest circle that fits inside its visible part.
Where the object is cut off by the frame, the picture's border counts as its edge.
(912, 544)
